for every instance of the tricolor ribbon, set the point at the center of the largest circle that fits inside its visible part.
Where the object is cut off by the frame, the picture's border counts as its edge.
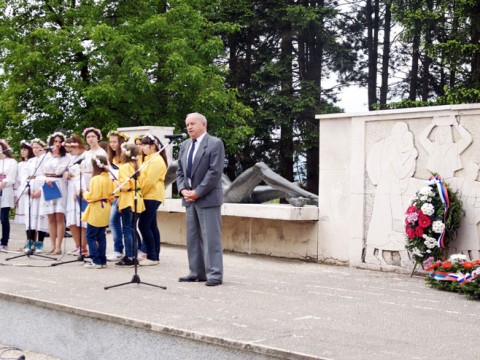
(443, 193)
(459, 278)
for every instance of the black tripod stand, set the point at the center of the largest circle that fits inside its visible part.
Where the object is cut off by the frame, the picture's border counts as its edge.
(136, 277)
(31, 242)
(81, 256)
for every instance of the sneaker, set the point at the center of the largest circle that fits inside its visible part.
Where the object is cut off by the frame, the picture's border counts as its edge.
(148, 262)
(92, 265)
(28, 246)
(39, 247)
(84, 252)
(141, 255)
(126, 262)
(75, 251)
(115, 256)
(4, 248)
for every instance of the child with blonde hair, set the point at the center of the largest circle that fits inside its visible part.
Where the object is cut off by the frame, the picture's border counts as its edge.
(130, 200)
(97, 214)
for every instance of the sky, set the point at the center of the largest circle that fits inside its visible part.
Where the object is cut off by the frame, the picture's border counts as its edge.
(353, 99)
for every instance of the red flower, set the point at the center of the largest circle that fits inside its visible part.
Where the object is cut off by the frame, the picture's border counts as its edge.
(424, 221)
(433, 266)
(446, 265)
(468, 265)
(419, 231)
(477, 261)
(411, 209)
(410, 232)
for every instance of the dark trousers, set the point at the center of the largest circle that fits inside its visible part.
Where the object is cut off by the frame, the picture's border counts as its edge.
(149, 229)
(5, 225)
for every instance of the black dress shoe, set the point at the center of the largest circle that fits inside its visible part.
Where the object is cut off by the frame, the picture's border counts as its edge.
(190, 279)
(213, 282)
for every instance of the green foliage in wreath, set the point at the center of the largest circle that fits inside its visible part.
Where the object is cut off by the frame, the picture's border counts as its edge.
(427, 230)
(456, 275)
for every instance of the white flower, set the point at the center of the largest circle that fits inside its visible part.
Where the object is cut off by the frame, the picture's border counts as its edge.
(426, 191)
(438, 226)
(457, 258)
(428, 209)
(430, 242)
(417, 252)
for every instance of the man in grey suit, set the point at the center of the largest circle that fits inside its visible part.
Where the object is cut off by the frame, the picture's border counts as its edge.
(199, 182)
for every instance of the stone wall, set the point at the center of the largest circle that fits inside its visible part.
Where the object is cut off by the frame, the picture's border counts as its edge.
(372, 163)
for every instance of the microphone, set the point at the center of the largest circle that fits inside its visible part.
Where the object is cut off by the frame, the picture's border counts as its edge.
(175, 136)
(48, 148)
(79, 160)
(6, 150)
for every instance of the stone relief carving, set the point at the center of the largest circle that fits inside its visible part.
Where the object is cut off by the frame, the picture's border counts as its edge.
(469, 190)
(443, 152)
(391, 165)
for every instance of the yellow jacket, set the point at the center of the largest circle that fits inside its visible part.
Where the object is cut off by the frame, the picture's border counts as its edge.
(127, 193)
(152, 178)
(99, 198)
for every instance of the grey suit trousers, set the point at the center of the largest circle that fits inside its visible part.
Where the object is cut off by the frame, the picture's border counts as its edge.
(204, 242)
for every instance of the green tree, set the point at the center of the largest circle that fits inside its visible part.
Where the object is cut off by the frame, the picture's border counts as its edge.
(446, 50)
(109, 64)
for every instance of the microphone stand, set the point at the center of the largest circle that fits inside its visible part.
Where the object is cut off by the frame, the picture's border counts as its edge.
(81, 256)
(136, 277)
(32, 242)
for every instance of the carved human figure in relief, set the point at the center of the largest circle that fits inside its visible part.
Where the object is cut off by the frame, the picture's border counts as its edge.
(444, 152)
(390, 165)
(468, 187)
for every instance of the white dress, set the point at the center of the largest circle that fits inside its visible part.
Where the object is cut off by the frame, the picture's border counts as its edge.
(22, 175)
(72, 217)
(52, 169)
(33, 220)
(8, 174)
(87, 167)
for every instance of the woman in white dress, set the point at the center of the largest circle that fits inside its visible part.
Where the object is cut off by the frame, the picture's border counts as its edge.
(55, 164)
(36, 224)
(26, 153)
(76, 148)
(8, 173)
(92, 137)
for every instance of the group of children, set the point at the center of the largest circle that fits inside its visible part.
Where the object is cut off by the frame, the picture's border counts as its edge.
(54, 181)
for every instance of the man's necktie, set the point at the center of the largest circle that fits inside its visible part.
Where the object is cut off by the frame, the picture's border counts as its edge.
(190, 159)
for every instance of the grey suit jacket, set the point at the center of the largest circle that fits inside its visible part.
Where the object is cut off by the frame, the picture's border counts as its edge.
(207, 171)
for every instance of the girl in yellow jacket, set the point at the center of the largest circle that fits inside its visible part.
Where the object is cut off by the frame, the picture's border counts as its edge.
(152, 182)
(97, 213)
(130, 201)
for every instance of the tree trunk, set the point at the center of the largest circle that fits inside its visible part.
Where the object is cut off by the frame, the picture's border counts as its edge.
(372, 45)
(386, 54)
(286, 127)
(413, 89)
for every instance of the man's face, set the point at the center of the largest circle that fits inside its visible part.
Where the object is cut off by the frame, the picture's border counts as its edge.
(195, 127)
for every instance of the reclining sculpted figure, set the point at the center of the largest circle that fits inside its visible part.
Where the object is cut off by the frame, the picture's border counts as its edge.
(246, 188)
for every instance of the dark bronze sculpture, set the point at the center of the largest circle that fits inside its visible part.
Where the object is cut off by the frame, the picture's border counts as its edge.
(247, 189)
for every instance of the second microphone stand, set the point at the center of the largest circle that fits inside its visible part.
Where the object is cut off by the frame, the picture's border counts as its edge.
(136, 277)
(81, 255)
(31, 239)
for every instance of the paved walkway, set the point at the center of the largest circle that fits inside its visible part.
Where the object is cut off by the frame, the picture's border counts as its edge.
(303, 309)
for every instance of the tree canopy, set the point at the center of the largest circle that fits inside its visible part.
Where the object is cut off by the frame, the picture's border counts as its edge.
(259, 70)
